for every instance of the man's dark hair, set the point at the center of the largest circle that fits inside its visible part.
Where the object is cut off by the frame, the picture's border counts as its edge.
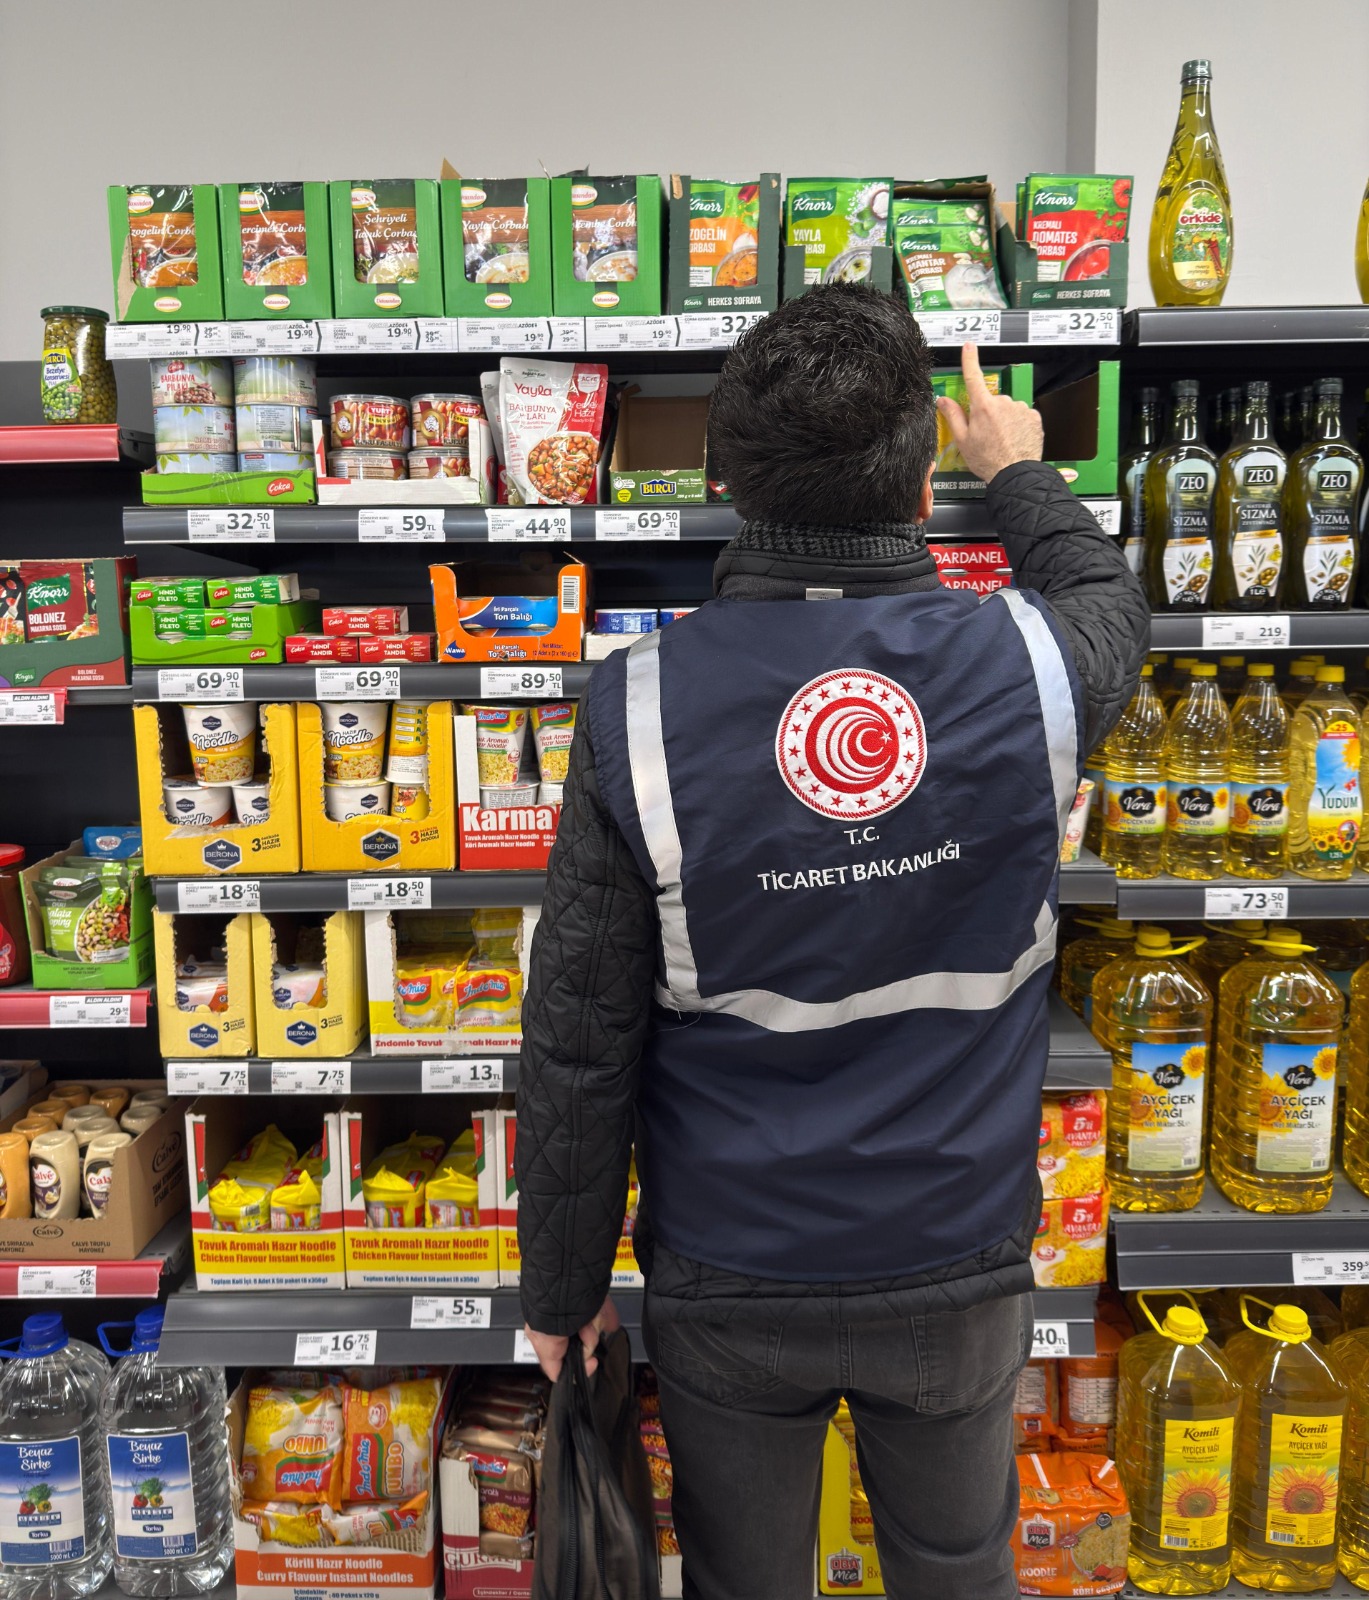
(823, 412)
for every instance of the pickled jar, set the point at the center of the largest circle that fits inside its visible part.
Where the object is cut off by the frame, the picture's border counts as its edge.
(77, 378)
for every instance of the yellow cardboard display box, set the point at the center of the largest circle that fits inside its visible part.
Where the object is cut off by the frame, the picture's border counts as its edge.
(225, 1023)
(848, 1562)
(288, 1025)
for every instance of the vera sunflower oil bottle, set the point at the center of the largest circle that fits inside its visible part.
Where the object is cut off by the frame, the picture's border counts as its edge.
(1224, 944)
(1175, 1444)
(1246, 512)
(1231, 676)
(1134, 802)
(1320, 498)
(1325, 805)
(1257, 768)
(1095, 770)
(1176, 681)
(1362, 248)
(1179, 484)
(1350, 1357)
(1274, 1099)
(1191, 236)
(1355, 1135)
(1302, 679)
(1084, 958)
(1131, 474)
(1286, 1480)
(1197, 745)
(1155, 1016)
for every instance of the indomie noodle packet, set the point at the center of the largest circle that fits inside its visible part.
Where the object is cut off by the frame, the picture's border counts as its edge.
(389, 1439)
(292, 1445)
(359, 1524)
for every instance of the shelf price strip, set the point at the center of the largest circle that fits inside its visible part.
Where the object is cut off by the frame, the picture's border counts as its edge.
(960, 327)
(52, 1281)
(199, 683)
(523, 1352)
(20, 707)
(311, 1077)
(1341, 1266)
(1050, 1339)
(234, 525)
(356, 683)
(534, 683)
(461, 1311)
(228, 894)
(399, 527)
(1081, 326)
(636, 522)
(205, 1077)
(355, 1347)
(1264, 632)
(389, 894)
(460, 1076)
(90, 1011)
(1222, 900)
(530, 525)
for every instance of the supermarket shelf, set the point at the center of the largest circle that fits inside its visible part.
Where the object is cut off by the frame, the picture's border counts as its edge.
(464, 1075)
(165, 1258)
(1077, 1060)
(327, 891)
(1190, 325)
(110, 694)
(71, 444)
(1339, 629)
(430, 681)
(1341, 1589)
(1157, 898)
(1087, 882)
(1218, 1245)
(24, 1007)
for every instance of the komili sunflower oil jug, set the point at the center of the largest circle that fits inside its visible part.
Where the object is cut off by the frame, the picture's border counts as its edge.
(1286, 1480)
(1325, 805)
(1197, 741)
(1176, 1423)
(1155, 1017)
(1134, 788)
(1323, 1315)
(1350, 1357)
(1084, 958)
(1274, 1095)
(1355, 1138)
(1258, 772)
(1191, 236)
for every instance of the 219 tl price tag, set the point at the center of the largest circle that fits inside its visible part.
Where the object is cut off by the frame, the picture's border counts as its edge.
(1270, 631)
(199, 683)
(389, 894)
(534, 683)
(236, 526)
(356, 683)
(356, 1348)
(1269, 901)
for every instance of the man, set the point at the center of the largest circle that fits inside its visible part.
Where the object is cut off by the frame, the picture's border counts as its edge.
(797, 937)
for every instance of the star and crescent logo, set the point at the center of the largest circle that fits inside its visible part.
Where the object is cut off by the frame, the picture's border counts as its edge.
(851, 744)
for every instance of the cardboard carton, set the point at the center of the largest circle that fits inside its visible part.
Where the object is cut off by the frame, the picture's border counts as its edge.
(763, 293)
(94, 651)
(496, 838)
(1081, 423)
(562, 642)
(53, 972)
(170, 231)
(473, 280)
(328, 1031)
(270, 626)
(203, 1031)
(846, 1564)
(380, 295)
(468, 1575)
(305, 235)
(228, 488)
(579, 195)
(659, 451)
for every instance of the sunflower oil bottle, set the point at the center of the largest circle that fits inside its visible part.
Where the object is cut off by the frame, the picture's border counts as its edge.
(1224, 944)
(1354, 1306)
(1155, 1016)
(1197, 743)
(1302, 680)
(1131, 474)
(1231, 676)
(1084, 958)
(1286, 1480)
(1257, 768)
(1350, 1357)
(1355, 1136)
(1324, 798)
(1175, 1446)
(1191, 236)
(1246, 512)
(1176, 681)
(1179, 484)
(1320, 498)
(1095, 770)
(1274, 1097)
(1134, 787)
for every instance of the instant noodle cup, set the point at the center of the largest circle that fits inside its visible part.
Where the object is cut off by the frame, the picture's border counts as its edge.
(275, 380)
(223, 741)
(393, 1185)
(359, 420)
(293, 1445)
(389, 1439)
(435, 462)
(452, 1199)
(499, 735)
(353, 740)
(343, 801)
(360, 1524)
(553, 729)
(298, 985)
(445, 419)
(424, 986)
(192, 804)
(357, 464)
(409, 802)
(296, 1204)
(549, 794)
(508, 797)
(407, 759)
(252, 800)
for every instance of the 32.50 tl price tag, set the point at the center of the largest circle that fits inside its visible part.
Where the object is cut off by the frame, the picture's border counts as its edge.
(530, 524)
(461, 1076)
(229, 894)
(533, 683)
(389, 894)
(205, 1077)
(960, 327)
(1343, 1266)
(240, 525)
(199, 683)
(355, 1348)
(1050, 1339)
(462, 1311)
(636, 522)
(356, 683)
(1262, 903)
(1081, 326)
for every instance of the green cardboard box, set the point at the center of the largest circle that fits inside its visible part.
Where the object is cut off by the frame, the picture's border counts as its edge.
(698, 199)
(956, 481)
(52, 972)
(595, 219)
(270, 627)
(280, 231)
(228, 488)
(1018, 268)
(659, 450)
(382, 228)
(1082, 433)
(168, 234)
(97, 654)
(489, 226)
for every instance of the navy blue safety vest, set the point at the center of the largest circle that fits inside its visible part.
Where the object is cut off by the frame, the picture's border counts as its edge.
(850, 813)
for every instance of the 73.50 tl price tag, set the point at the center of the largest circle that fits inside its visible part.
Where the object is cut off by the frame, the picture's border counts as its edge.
(1261, 904)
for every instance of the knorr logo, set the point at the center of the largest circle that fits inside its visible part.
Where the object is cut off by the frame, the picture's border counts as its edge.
(363, 199)
(139, 200)
(251, 200)
(817, 203)
(583, 194)
(1057, 200)
(472, 197)
(705, 205)
(49, 591)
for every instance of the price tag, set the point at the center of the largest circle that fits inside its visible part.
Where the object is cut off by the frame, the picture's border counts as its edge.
(205, 1077)
(21, 708)
(1077, 326)
(1107, 514)
(233, 525)
(636, 522)
(1256, 902)
(532, 683)
(389, 894)
(463, 1311)
(1273, 631)
(567, 333)
(531, 523)
(463, 1077)
(1050, 1339)
(356, 683)
(496, 335)
(960, 327)
(90, 1011)
(399, 527)
(199, 683)
(437, 335)
(714, 330)
(361, 333)
(271, 338)
(311, 1077)
(1343, 1266)
(523, 1352)
(228, 894)
(631, 333)
(357, 1348)
(213, 339)
(70, 1283)
(153, 339)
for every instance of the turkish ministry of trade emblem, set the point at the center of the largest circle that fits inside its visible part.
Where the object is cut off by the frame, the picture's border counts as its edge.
(851, 744)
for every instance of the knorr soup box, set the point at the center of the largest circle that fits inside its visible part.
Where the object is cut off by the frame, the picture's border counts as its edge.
(164, 247)
(724, 243)
(832, 230)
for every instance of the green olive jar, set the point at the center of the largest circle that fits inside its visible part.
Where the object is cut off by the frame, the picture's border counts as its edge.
(77, 379)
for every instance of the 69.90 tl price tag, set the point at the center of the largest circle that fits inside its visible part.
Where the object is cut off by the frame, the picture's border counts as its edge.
(356, 683)
(199, 683)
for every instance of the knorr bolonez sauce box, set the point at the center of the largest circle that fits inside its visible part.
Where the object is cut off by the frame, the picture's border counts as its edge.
(164, 248)
(277, 260)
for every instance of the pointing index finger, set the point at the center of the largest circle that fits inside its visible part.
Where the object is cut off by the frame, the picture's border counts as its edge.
(975, 387)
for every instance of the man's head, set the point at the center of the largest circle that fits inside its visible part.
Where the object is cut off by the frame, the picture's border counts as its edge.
(823, 413)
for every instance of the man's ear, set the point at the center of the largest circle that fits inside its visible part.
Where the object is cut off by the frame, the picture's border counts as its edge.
(924, 504)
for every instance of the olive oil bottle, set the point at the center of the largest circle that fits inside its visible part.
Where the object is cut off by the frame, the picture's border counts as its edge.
(1257, 768)
(1325, 802)
(1179, 484)
(1131, 474)
(1320, 498)
(1246, 512)
(1191, 235)
(1362, 248)
(1197, 744)
(1134, 803)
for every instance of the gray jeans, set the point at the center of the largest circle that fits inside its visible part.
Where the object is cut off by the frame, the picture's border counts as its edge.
(746, 1400)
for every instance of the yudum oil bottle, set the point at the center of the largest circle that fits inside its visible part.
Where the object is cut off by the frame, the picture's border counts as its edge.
(1195, 761)
(1191, 236)
(1325, 804)
(1134, 787)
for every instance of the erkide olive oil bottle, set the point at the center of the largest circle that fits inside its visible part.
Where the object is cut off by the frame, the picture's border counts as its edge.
(1179, 484)
(1191, 236)
(1247, 512)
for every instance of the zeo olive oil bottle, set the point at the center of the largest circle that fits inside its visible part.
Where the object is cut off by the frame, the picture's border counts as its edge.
(1191, 236)
(1197, 745)
(1325, 803)
(1354, 1153)
(1320, 498)
(1274, 1097)
(1134, 786)
(1179, 483)
(1350, 1357)
(1247, 526)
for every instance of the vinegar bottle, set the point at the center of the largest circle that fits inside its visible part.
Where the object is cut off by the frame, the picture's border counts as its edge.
(1325, 804)
(1179, 484)
(1084, 958)
(1320, 498)
(1350, 1357)
(1355, 1074)
(1246, 512)
(1191, 235)
(1134, 788)
(1197, 744)
(1258, 770)
(1131, 474)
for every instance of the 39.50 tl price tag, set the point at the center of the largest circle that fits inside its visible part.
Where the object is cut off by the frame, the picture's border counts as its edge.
(356, 683)
(462, 1311)
(356, 1348)
(636, 522)
(205, 1077)
(463, 1077)
(530, 524)
(311, 1077)
(199, 683)
(1334, 1266)
(1269, 901)
(533, 683)
(236, 525)
(57, 1281)
(228, 894)
(1050, 1339)
(399, 527)
(389, 894)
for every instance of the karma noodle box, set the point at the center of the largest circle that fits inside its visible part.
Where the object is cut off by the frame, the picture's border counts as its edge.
(847, 1564)
(490, 838)
(164, 248)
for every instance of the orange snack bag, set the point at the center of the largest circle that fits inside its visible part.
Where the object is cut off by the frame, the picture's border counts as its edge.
(1073, 1526)
(389, 1440)
(1088, 1393)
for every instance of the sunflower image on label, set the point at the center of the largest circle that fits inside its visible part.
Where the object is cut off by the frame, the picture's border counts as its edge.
(152, 1495)
(1134, 808)
(42, 1503)
(1199, 808)
(1201, 250)
(1259, 809)
(1195, 1501)
(1336, 808)
(1165, 1121)
(1304, 1481)
(1297, 1108)
(1187, 556)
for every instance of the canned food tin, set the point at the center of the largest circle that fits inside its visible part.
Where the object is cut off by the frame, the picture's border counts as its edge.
(367, 464)
(192, 381)
(368, 419)
(439, 463)
(194, 428)
(275, 380)
(275, 461)
(197, 461)
(444, 418)
(273, 427)
(620, 619)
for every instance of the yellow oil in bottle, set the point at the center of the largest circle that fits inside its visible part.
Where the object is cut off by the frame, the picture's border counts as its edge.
(1286, 1480)
(1191, 234)
(1355, 1137)
(1350, 1357)
(1176, 680)
(1231, 676)
(1175, 1446)
(1224, 944)
(1082, 959)
(1274, 1095)
(1325, 806)
(1320, 497)
(1354, 1306)
(1134, 788)
(1258, 769)
(1247, 515)
(1155, 1017)
(1362, 248)
(1096, 771)
(1179, 483)
(1323, 1315)
(1302, 680)
(1197, 744)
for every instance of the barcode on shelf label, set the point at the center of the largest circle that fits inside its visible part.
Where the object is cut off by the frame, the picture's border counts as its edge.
(530, 683)
(960, 327)
(399, 527)
(463, 1077)
(1078, 326)
(523, 1352)
(529, 524)
(1050, 1339)
(205, 1077)
(438, 335)
(229, 894)
(271, 338)
(501, 335)
(344, 337)
(714, 330)
(1271, 631)
(636, 522)
(1242, 900)
(311, 1077)
(57, 1281)
(1344, 1266)
(90, 1011)
(461, 1311)
(356, 1348)
(356, 683)
(389, 894)
(233, 524)
(199, 683)
(23, 708)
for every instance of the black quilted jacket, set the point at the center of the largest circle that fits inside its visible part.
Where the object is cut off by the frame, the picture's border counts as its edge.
(589, 998)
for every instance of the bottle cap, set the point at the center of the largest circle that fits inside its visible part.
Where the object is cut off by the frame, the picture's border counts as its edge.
(1109, 927)
(1186, 662)
(147, 1329)
(1184, 1325)
(1233, 661)
(74, 311)
(1184, 388)
(1257, 389)
(1303, 667)
(1154, 941)
(1147, 671)
(1290, 1322)
(1330, 674)
(43, 1334)
(1330, 386)
(1204, 669)
(1281, 940)
(1242, 925)
(1194, 70)
(1148, 396)
(1260, 669)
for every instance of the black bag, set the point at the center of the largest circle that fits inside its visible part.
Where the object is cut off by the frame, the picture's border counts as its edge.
(596, 1537)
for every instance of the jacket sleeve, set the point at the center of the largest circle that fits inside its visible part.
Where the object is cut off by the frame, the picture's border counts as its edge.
(585, 1017)
(1057, 548)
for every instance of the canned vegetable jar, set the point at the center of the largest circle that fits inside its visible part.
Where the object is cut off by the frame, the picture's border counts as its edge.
(367, 464)
(275, 380)
(444, 418)
(369, 419)
(77, 380)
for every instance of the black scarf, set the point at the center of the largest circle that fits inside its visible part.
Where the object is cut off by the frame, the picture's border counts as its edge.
(782, 561)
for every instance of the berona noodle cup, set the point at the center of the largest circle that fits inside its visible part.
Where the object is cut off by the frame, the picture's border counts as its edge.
(353, 739)
(192, 804)
(343, 801)
(223, 741)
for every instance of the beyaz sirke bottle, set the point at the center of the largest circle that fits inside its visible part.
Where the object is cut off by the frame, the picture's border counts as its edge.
(1247, 512)
(1191, 235)
(1179, 484)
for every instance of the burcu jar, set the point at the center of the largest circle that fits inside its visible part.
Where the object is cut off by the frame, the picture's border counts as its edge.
(77, 379)
(14, 943)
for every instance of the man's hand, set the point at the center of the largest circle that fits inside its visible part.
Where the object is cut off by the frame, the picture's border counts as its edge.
(999, 431)
(551, 1348)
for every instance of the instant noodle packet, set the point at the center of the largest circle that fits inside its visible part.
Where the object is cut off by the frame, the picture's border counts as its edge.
(553, 730)
(389, 1439)
(503, 1482)
(393, 1185)
(425, 989)
(452, 1199)
(1073, 1526)
(488, 995)
(240, 1200)
(499, 735)
(296, 1204)
(359, 1524)
(496, 930)
(282, 1522)
(292, 1446)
